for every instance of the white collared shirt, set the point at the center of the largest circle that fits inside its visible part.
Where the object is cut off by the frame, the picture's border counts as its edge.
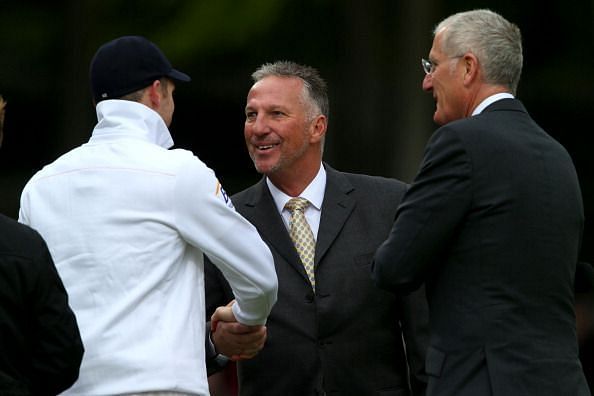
(314, 193)
(491, 99)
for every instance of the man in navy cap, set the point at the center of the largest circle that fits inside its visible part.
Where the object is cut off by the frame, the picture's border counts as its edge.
(128, 221)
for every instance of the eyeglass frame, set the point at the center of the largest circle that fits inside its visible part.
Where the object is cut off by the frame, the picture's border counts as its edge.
(429, 66)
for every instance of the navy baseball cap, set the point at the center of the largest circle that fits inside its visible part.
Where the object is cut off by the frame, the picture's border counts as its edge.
(127, 64)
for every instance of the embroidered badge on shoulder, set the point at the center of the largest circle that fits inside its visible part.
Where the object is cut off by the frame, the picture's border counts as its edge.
(223, 194)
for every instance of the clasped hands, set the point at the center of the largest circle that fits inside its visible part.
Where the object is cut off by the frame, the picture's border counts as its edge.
(233, 339)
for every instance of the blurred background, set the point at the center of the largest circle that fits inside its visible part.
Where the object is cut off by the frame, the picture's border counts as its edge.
(368, 51)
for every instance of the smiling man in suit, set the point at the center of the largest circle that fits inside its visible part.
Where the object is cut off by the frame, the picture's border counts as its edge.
(332, 332)
(492, 224)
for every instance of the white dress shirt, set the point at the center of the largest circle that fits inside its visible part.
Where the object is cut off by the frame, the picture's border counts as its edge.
(314, 193)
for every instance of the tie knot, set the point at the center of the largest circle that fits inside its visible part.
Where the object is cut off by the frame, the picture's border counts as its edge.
(297, 204)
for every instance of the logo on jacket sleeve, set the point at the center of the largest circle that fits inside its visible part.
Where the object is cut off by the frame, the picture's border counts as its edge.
(220, 192)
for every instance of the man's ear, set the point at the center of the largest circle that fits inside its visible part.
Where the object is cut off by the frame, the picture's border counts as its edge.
(471, 68)
(153, 95)
(318, 128)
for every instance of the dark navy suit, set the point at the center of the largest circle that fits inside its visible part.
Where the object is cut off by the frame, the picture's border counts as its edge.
(40, 345)
(493, 224)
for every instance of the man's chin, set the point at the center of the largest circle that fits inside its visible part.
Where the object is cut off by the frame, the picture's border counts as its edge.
(438, 118)
(265, 168)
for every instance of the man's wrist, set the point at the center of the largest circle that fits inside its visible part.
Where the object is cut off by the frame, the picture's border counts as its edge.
(219, 357)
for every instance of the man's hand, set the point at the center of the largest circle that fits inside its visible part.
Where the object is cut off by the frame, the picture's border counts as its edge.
(233, 339)
(222, 314)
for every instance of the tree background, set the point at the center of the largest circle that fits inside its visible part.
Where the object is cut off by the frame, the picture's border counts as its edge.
(368, 51)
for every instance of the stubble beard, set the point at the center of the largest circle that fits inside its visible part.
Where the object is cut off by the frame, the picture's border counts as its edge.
(283, 162)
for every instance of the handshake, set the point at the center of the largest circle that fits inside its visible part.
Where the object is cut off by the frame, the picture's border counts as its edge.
(233, 339)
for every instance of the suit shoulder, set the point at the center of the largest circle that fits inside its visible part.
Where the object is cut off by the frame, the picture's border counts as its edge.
(18, 239)
(362, 181)
(375, 195)
(245, 195)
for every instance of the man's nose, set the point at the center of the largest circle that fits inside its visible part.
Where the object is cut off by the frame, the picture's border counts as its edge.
(427, 82)
(260, 125)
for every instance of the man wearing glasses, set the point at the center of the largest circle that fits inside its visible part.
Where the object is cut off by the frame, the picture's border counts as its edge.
(492, 223)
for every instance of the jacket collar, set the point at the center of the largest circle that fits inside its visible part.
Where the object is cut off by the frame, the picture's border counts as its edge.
(506, 105)
(338, 204)
(124, 118)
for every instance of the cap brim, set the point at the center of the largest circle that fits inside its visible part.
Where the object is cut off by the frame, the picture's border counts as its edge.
(179, 76)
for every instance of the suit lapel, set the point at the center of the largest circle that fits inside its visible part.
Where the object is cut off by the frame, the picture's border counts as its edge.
(336, 209)
(260, 210)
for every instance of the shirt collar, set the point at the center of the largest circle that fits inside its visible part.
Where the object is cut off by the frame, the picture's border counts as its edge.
(491, 99)
(118, 118)
(314, 192)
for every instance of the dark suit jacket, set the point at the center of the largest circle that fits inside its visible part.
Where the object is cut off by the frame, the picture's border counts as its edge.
(347, 338)
(493, 223)
(40, 345)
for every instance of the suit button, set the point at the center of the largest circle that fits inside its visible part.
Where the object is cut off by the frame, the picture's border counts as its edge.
(309, 298)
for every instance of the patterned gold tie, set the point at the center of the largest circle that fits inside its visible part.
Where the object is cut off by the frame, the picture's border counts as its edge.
(302, 236)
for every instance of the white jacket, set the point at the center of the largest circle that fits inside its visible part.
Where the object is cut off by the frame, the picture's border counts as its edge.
(127, 222)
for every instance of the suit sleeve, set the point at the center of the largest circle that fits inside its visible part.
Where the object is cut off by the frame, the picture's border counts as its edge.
(426, 219)
(415, 332)
(206, 219)
(217, 293)
(57, 347)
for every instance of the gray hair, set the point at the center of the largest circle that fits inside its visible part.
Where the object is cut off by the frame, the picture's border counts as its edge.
(496, 42)
(315, 91)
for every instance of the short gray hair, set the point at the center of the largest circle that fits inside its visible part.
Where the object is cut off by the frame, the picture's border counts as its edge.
(496, 42)
(315, 89)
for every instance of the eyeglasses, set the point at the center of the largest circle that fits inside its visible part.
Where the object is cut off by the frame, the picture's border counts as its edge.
(429, 67)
